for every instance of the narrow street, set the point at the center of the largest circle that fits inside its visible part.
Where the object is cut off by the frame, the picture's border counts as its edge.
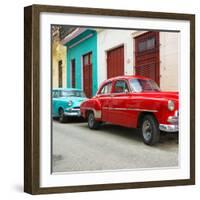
(77, 148)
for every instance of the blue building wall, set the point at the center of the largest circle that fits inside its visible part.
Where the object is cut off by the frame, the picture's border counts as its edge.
(77, 52)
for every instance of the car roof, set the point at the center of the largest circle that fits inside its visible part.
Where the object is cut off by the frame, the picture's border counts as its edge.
(67, 89)
(128, 77)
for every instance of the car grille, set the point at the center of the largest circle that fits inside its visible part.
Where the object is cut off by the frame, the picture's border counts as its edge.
(78, 107)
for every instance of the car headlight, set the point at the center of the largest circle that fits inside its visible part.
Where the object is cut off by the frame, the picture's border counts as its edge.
(171, 105)
(69, 103)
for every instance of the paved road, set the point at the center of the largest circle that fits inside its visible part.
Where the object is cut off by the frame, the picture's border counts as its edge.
(77, 148)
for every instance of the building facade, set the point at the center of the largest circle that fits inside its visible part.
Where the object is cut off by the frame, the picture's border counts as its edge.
(58, 60)
(151, 54)
(82, 60)
(94, 55)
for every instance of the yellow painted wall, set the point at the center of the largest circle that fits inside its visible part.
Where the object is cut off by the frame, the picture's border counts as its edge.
(58, 53)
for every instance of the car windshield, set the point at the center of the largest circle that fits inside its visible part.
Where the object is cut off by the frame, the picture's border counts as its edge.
(72, 93)
(141, 85)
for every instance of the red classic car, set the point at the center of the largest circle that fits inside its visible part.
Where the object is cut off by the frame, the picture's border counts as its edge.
(136, 102)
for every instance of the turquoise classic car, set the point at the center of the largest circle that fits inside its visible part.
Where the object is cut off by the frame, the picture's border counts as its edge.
(66, 103)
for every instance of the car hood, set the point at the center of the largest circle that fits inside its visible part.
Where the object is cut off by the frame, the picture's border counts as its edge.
(74, 99)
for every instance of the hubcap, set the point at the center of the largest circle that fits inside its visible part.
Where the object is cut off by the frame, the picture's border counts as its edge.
(61, 115)
(91, 120)
(147, 130)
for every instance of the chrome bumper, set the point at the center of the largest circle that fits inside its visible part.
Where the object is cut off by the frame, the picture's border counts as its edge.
(168, 127)
(173, 126)
(72, 112)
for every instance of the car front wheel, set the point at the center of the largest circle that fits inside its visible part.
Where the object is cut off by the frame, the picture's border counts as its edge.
(150, 130)
(62, 117)
(92, 123)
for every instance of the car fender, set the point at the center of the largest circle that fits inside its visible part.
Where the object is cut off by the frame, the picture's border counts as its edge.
(145, 106)
(157, 107)
(59, 104)
(91, 105)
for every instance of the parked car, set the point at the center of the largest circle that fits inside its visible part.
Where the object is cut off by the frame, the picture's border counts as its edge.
(66, 103)
(136, 102)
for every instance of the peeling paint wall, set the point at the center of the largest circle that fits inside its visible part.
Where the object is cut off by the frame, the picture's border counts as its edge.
(169, 60)
(169, 54)
(58, 53)
(109, 39)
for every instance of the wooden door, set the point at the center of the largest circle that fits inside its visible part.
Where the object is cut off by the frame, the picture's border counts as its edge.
(87, 74)
(147, 56)
(73, 73)
(115, 62)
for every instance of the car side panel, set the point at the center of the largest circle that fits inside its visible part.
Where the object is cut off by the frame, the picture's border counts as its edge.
(55, 110)
(139, 105)
(155, 106)
(104, 101)
(120, 112)
(58, 103)
(91, 105)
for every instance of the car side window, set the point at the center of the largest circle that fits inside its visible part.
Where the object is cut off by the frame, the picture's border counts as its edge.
(56, 94)
(53, 94)
(59, 93)
(120, 87)
(106, 89)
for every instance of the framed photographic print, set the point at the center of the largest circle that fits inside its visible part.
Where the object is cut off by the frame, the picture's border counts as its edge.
(109, 99)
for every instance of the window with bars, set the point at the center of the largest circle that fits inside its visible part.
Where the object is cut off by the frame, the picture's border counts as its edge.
(147, 44)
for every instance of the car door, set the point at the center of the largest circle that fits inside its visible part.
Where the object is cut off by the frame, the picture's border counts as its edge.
(55, 95)
(104, 97)
(119, 111)
(53, 102)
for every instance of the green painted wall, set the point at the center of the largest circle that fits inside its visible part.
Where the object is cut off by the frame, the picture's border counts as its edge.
(77, 52)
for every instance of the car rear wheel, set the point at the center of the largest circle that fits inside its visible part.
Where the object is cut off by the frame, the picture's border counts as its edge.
(92, 123)
(150, 130)
(62, 117)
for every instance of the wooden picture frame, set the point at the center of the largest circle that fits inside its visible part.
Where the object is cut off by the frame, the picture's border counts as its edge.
(32, 98)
